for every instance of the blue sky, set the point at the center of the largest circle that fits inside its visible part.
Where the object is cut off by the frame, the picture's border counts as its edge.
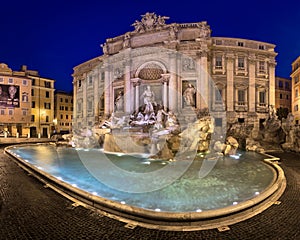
(54, 36)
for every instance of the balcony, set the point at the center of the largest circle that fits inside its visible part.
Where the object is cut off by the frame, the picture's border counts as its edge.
(262, 108)
(241, 106)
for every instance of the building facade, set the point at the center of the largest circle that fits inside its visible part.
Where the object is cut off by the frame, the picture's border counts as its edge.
(234, 78)
(295, 75)
(15, 102)
(63, 111)
(42, 103)
(283, 93)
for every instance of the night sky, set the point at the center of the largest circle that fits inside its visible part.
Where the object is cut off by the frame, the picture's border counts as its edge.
(55, 36)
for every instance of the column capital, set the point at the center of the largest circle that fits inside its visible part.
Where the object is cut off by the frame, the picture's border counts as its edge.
(252, 58)
(165, 78)
(230, 56)
(136, 82)
(272, 63)
(202, 54)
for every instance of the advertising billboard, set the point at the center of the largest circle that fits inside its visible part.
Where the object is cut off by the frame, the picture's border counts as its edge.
(9, 96)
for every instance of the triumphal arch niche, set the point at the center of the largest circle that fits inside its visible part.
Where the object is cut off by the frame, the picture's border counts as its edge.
(157, 59)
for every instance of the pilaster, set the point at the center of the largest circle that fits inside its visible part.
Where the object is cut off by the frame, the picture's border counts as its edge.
(252, 101)
(230, 88)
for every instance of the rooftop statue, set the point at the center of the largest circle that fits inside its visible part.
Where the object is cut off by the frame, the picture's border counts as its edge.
(150, 21)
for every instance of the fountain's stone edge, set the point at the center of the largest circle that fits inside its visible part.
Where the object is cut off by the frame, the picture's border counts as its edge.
(253, 206)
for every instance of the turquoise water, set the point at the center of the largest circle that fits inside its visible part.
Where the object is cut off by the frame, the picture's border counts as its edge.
(232, 180)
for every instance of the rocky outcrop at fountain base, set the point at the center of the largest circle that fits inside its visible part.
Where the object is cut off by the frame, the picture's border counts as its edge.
(168, 141)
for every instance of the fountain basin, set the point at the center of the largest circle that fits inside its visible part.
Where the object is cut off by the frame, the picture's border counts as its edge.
(200, 207)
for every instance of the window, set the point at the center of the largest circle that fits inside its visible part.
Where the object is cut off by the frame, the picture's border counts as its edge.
(287, 97)
(79, 83)
(71, 116)
(218, 122)
(1, 80)
(90, 105)
(67, 116)
(10, 80)
(102, 76)
(47, 94)
(280, 84)
(241, 97)
(219, 62)
(71, 100)
(62, 108)
(240, 44)
(218, 95)
(24, 112)
(32, 118)
(66, 108)
(296, 108)
(261, 47)
(24, 82)
(241, 63)
(262, 97)
(261, 67)
(33, 104)
(280, 95)
(287, 85)
(297, 93)
(47, 118)
(297, 122)
(47, 105)
(24, 97)
(66, 100)
(79, 107)
(296, 79)
(10, 112)
(32, 81)
(32, 92)
(90, 81)
(2, 111)
(47, 84)
(61, 116)
(241, 120)
(61, 100)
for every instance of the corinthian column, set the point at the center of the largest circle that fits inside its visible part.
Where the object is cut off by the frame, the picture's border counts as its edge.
(136, 85)
(173, 88)
(127, 90)
(107, 95)
(165, 80)
(272, 65)
(202, 97)
(252, 84)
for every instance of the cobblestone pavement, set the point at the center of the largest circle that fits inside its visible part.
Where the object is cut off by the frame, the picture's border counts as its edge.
(30, 211)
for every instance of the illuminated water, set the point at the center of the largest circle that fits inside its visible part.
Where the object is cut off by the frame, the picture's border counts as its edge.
(231, 181)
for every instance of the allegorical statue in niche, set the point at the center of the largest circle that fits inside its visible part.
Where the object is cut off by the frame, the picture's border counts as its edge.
(119, 101)
(189, 95)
